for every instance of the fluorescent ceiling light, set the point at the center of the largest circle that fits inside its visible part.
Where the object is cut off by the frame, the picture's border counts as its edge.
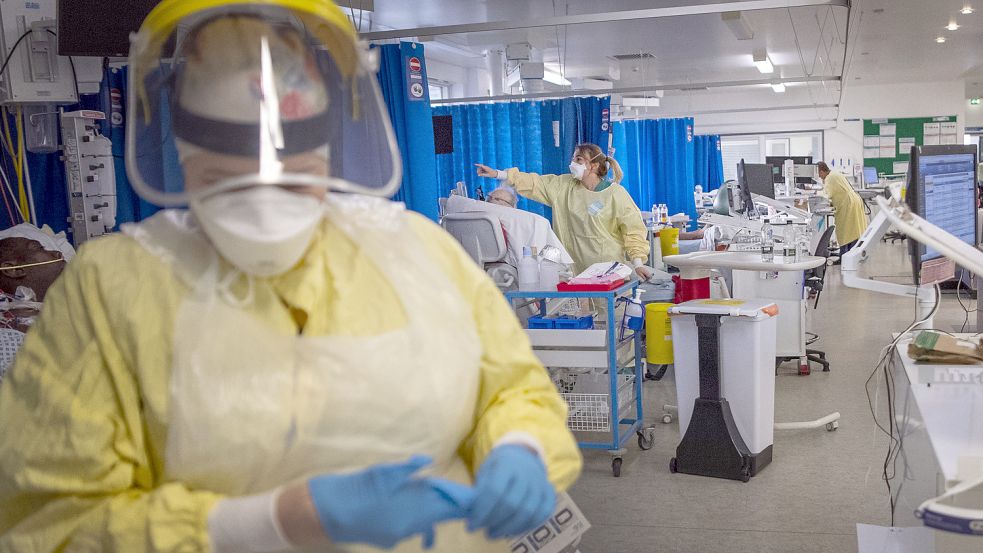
(555, 78)
(738, 25)
(967, 10)
(952, 26)
(940, 39)
(762, 61)
(778, 87)
(628, 101)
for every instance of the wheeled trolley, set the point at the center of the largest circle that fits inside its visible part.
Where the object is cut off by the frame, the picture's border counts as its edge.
(598, 371)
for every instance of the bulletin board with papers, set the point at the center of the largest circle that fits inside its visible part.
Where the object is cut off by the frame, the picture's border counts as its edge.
(888, 142)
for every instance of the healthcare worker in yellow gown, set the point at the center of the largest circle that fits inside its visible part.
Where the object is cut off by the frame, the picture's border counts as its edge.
(851, 219)
(593, 215)
(280, 367)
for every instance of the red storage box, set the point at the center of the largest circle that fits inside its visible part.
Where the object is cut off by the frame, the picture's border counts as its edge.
(606, 287)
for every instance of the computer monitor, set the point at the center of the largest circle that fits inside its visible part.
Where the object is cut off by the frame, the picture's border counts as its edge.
(759, 179)
(870, 175)
(942, 190)
(778, 164)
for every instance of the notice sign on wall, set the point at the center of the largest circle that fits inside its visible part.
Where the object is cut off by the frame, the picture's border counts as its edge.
(415, 80)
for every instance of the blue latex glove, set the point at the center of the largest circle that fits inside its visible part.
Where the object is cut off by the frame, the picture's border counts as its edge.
(512, 494)
(382, 505)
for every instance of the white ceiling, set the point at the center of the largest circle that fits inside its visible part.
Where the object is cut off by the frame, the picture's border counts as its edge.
(895, 45)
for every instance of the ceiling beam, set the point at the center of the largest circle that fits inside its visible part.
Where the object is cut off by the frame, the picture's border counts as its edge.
(634, 89)
(749, 110)
(583, 19)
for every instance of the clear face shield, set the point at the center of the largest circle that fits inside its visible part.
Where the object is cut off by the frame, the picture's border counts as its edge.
(252, 95)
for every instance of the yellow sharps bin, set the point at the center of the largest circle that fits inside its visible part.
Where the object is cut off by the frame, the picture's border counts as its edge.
(669, 237)
(658, 333)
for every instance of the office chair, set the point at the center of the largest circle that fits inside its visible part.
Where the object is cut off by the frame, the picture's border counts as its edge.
(814, 280)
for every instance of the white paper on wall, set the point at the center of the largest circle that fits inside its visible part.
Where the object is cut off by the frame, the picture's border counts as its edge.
(932, 128)
(888, 129)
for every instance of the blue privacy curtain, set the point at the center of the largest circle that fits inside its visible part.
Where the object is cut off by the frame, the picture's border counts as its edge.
(709, 163)
(536, 137)
(658, 158)
(404, 66)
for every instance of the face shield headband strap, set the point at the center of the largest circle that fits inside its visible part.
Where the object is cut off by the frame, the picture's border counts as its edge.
(243, 139)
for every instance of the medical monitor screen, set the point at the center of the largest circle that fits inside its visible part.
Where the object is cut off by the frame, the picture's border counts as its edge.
(870, 175)
(942, 190)
(102, 28)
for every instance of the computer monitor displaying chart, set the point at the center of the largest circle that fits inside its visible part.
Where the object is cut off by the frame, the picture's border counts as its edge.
(942, 190)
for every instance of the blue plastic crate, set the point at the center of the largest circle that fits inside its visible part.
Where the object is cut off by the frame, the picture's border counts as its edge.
(541, 322)
(572, 323)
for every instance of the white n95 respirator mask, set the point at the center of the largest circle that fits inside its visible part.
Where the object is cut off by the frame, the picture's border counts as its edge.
(578, 170)
(264, 230)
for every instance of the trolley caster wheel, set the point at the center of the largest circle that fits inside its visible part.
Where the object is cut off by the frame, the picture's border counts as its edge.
(667, 419)
(673, 467)
(804, 370)
(831, 426)
(646, 439)
(746, 474)
(616, 467)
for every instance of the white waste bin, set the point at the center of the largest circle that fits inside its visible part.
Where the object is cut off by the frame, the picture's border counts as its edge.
(747, 337)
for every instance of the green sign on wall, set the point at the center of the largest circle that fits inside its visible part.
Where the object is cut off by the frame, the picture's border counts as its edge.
(888, 142)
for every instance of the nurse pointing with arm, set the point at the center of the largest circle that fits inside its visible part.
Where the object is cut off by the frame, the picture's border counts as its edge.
(280, 366)
(593, 215)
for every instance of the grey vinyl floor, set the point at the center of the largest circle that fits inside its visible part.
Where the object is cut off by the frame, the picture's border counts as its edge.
(820, 484)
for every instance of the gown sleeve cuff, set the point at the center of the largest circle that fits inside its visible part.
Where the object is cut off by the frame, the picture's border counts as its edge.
(524, 439)
(247, 525)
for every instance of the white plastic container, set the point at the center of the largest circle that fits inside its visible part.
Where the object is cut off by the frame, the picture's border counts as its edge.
(549, 275)
(528, 270)
(747, 364)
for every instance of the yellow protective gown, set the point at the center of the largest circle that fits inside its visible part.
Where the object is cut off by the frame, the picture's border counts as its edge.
(84, 413)
(851, 221)
(595, 227)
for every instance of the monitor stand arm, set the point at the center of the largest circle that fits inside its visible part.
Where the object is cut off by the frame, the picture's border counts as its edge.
(850, 267)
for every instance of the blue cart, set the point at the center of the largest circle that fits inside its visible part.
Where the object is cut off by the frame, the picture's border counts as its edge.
(602, 396)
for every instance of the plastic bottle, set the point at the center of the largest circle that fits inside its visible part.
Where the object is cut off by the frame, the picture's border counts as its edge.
(802, 246)
(656, 215)
(767, 243)
(635, 312)
(549, 275)
(528, 270)
(791, 242)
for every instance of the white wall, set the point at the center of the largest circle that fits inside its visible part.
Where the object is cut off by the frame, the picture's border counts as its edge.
(974, 115)
(843, 132)
(895, 100)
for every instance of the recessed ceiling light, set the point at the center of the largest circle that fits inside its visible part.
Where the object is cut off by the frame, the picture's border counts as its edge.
(878, 10)
(778, 87)
(864, 53)
(967, 10)
(763, 62)
(940, 39)
(952, 26)
(858, 78)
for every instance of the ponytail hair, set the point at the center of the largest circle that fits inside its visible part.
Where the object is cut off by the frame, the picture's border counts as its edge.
(606, 164)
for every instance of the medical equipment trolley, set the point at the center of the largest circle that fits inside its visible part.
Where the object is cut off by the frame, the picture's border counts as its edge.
(599, 372)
